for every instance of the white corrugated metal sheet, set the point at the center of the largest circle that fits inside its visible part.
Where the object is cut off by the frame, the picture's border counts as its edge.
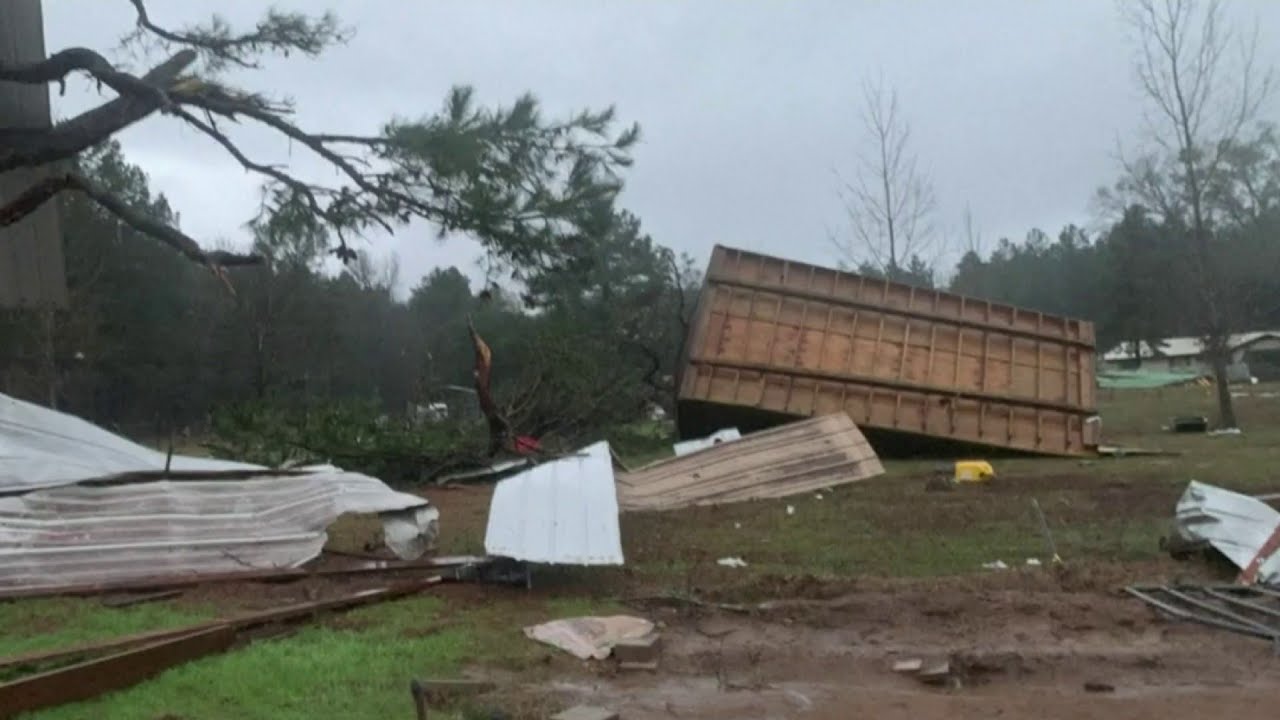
(74, 534)
(563, 512)
(1238, 526)
(42, 448)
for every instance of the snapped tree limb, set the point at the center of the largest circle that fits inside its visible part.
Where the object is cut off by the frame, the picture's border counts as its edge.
(31, 147)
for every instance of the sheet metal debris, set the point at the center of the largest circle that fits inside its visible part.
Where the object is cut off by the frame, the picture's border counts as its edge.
(561, 512)
(799, 457)
(1248, 611)
(73, 535)
(42, 448)
(1244, 529)
(590, 637)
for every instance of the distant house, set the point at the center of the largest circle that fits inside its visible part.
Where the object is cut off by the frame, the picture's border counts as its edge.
(1255, 354)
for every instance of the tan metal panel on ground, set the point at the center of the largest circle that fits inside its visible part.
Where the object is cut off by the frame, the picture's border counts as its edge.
(773, 338)
(795, 458)
(31, 261)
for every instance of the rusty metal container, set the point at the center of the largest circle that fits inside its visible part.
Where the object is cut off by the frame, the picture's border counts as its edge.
(917, 369)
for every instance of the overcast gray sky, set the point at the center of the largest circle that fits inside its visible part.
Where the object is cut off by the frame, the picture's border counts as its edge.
(746, 107)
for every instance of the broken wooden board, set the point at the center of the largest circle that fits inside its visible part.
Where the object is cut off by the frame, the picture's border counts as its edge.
(799, 457)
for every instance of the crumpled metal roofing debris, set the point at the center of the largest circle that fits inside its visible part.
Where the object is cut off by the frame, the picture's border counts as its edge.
(71, 535)
(561, 512)
(1244, 529)
(42, 448)
(798, 457)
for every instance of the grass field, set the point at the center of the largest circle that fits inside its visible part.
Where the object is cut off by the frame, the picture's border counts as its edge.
(1106, 511)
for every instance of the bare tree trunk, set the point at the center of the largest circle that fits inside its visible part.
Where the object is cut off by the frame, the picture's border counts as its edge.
(1204, 104)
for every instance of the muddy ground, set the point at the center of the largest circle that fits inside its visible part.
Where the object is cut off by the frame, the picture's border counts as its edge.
(1046, 642)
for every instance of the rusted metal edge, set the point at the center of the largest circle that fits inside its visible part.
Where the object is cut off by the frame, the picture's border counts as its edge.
(172, 582)
(114, 672)
(167, 649)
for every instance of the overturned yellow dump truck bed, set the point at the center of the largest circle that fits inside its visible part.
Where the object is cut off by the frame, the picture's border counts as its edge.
(774, 339)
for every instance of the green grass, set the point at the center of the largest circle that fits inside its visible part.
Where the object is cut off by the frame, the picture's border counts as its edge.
(35, 625)
(358, 665)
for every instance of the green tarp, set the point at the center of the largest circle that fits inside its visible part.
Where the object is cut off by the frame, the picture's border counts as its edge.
(1143, 379)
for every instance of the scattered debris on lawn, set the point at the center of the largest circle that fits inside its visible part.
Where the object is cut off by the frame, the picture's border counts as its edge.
(561, 512)
(1190, 424)
(973, 471)
(1099, 687)
(995, 565)
(493, 471)
(134, 659)
(589, 638)
(638, 653)
(799, 457)
(1227, 432)
(586, 712)
(1248, 611)
(732, 562)
(437, 690)
(908, 666)
(1244, 529)
(720, 436)
(1118, 451)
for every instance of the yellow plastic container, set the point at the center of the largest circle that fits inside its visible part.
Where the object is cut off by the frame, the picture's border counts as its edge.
(974, 471)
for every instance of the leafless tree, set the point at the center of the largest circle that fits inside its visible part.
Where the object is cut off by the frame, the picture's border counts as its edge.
(889, 202)
(1201, 100)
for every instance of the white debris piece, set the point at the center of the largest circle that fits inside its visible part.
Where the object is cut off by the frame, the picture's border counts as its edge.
(733, 562)
(995, 565)
(1033, 562)
(561, 512)
(720, 436)
(791, 509)
(590, 637)
(1242, 528)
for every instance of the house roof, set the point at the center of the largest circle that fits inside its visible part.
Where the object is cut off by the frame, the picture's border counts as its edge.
(1183, 346)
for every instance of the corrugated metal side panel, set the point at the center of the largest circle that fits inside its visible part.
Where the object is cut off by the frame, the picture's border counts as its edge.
(564, 512)
(31, 259)
(795, 458)
(801, 340)
(75, 534)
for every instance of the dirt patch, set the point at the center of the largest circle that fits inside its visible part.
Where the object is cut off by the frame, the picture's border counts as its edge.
(1015, 652)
